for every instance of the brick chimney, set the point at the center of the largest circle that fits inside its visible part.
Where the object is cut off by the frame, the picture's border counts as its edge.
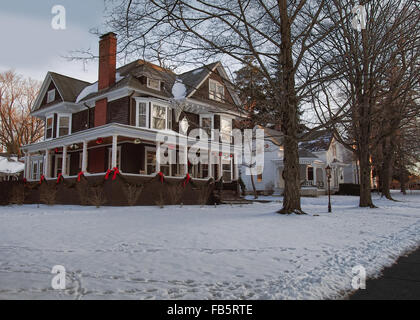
(107, 60)
(106, 74)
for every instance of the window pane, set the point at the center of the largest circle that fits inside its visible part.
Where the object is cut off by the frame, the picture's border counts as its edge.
(226, 130)
(159, 117)
(64, 123)
(142, 114)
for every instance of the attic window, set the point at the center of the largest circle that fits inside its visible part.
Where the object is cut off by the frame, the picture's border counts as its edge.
(153, 84)
(216, 90)
(51, 96)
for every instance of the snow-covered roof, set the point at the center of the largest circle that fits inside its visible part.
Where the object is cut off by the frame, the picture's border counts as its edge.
(10, 165)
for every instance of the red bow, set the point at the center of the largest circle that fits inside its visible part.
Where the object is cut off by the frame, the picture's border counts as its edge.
(161, 176)
(79, 176)
(42, 179)
(108, 172)
(24, 180)
(116, 171)
(187, 179)
(60, 176)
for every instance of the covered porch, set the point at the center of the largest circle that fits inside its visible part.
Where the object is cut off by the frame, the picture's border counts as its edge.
(134, 151)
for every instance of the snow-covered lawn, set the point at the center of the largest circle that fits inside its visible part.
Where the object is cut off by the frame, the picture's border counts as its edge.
(201, 253)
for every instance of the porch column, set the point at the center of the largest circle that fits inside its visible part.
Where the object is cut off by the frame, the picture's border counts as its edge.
(315, 182)
(220, 173)
(158, 156)
(210, 167)
(64, 162)
(47, 164)
(185, 158)
(84, 156)
(114, 151)
(28, 166)
(235, 167)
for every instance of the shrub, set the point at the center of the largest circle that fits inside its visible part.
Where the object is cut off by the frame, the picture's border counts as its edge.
(161, 201)
(17, 195)
(82, 189)
(96, 196)
(47, 194)
(204, 194)
(132, 192)
(175, 192)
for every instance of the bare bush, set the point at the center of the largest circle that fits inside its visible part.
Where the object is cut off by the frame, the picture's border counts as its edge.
(47, 194)
(161, 201)
(96, 196)
(204, 194)
(82, 189)
(17, 195)
(132, 192)
(175, 192)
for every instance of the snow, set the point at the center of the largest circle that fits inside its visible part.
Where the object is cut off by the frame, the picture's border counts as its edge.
(11, 166)
(93, 88)
(179, 90)
(228, 252)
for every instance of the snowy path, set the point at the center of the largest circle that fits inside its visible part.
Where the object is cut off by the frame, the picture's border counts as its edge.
(201, 253)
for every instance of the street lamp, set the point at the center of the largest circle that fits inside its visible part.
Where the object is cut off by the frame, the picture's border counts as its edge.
(328, 171)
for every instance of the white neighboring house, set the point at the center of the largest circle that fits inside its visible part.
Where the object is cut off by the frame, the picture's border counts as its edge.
(10, 167)
(314, 156)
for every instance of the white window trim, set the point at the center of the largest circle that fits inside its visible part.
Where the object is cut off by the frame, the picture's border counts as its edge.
(48, 95)
(151, 87)
(222, 118)
(214, 96)
(38, 161)
(166, 115)
(147, 102)
(50, 116)
(63, 115)
(212, 123)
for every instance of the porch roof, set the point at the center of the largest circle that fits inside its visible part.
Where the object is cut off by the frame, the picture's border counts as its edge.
(118, 129)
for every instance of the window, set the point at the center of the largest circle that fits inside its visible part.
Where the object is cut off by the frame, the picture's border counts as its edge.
(51, 96)
(150, 160)
(206, 124)
(37, 169)
(118, 158)
(63, 128)
(153, 84)
(169, 118)
(216, 90)
(142, 114)
(158, 117)
(310, 173)
(259, 175)
(225, 129)
(49, 127)
(183, 126)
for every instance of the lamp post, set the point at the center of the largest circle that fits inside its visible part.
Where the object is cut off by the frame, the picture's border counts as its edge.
(328, 171)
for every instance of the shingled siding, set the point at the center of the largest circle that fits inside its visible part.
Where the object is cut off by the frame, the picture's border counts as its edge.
(203, 91)
(83, 120)
(57, 99)
(118, 111)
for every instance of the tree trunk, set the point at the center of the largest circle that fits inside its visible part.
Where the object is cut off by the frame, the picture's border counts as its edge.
(365, 178)
(253, 187)
(386, 170)
(403, 181)
(290, 121)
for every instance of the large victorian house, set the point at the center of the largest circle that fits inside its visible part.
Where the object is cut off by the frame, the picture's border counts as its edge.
(115, 122)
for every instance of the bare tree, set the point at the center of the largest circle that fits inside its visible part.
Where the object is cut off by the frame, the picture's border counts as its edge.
(363, 58)
(276, 33)
(17, 126)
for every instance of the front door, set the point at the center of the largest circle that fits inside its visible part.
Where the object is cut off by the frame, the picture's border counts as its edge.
(150, 160)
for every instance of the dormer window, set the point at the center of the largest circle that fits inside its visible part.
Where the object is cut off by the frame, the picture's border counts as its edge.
(216, 90)
(153, 84)
(51, 96)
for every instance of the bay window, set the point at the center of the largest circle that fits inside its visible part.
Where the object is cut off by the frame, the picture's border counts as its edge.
(158, 117)
(142, 114)
(154, 115)
(63, 127)
(49, 127)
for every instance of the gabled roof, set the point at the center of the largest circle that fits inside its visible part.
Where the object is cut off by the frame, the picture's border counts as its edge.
(68, 88)
(193, 79)
(320, 141)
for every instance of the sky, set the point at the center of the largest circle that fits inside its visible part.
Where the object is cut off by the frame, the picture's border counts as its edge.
(30, 45)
